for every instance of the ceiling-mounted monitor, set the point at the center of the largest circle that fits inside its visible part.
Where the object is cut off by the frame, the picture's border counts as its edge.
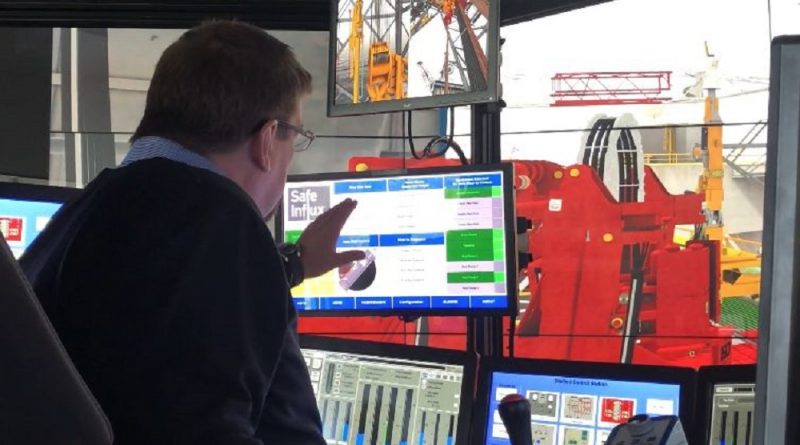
(395, 55)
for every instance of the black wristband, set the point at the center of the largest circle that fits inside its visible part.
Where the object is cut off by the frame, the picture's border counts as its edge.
(293, 264)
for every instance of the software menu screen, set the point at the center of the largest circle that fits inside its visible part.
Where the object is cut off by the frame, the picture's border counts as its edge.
(433, 242)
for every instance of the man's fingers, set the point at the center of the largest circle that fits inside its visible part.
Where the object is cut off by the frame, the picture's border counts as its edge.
(319, 240)
(348, 257)
(338, 215)
(332, 214)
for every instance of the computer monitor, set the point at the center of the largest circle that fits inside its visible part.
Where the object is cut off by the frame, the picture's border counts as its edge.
(726, 405)
(371, 393)
(574, 403)
(26, 209)
(393, 56)
(437, 241)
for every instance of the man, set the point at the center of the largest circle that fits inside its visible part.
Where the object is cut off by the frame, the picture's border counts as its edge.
(162, 280)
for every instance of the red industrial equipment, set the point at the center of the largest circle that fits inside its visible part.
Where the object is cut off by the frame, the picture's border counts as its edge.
(611, 88)
(584, 243)
(585, 282)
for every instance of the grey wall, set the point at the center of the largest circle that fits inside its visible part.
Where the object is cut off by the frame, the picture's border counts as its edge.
(25, 101)
(132, 56)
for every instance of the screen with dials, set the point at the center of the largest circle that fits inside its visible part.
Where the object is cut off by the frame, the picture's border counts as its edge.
(370, 400)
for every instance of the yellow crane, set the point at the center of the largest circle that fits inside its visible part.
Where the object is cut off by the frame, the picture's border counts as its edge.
(386, 70)
(386, 73)
(739, 270)
(713, 169)
(356, 37)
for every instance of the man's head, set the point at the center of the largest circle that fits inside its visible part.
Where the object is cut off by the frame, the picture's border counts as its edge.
(231, 92)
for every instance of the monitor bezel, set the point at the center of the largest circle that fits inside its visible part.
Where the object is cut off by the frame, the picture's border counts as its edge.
(683, 377)
(509, 201)
(491, 94)
(40, 193)
(412, 353)
(707, 377)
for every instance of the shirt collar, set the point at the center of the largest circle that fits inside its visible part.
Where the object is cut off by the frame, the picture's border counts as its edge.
(150, 147)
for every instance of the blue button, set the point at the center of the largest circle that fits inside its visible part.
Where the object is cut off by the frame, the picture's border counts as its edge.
(356, 241)
(490, 302)
(378, 185)
(306, 303)
(471, 181)
(450, 302)
(367, 303)
(337, 303)
(415, 184)
(412, 239)
(412, 302)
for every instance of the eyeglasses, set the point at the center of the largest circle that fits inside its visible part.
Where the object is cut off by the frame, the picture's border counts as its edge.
(303, 138)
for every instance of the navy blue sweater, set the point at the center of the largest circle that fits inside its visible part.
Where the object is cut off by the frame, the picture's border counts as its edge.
(169, 294)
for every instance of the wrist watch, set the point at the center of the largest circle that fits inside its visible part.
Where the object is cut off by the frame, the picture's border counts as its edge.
(293, 263)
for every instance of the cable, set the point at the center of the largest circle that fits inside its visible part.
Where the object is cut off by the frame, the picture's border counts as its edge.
(411, 137)
(403, 130)
(514, 133)
(505, 133)
(769, 19)
(553, 335)
(452, 122)
(452, 143)
(447, 140)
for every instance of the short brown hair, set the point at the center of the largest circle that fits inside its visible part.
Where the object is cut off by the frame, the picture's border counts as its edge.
(216, 83)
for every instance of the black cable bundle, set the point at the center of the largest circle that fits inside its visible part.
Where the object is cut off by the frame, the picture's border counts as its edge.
(639, 253)
(428, 152)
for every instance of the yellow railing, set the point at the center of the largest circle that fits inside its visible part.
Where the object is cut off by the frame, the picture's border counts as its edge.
(682, 234)
(738, 240)
(669, 158)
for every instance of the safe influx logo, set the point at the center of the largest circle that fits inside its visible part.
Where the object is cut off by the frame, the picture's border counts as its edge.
(307, 203)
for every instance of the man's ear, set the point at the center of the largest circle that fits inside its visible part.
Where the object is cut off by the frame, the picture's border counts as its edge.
(262, 145)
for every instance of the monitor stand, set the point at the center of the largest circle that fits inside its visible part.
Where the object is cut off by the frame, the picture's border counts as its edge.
(485, 333)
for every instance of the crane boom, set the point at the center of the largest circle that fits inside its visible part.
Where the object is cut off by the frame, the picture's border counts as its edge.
(356, 37)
